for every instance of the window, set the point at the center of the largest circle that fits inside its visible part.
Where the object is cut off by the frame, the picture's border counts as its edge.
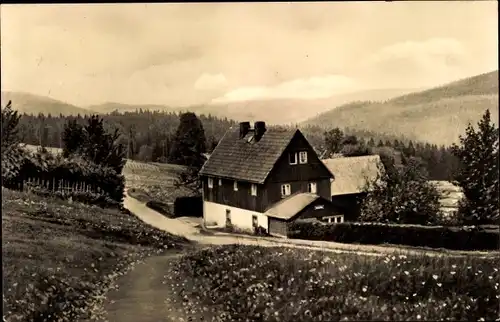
(334, 219)
(210, 183)
(235, 186)
(311, 187)
(254, 221)
(292, 157)
(286, 190)
(318, 207)
(220, 182)
(253, 190)
(303, 157)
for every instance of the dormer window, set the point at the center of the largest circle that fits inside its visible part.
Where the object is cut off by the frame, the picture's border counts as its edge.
(292, 157)
(235, 186)
(210, 183)
(302, 157)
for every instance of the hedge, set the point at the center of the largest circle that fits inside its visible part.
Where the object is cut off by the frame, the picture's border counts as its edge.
(47, 167)
(188, 207)
(455, 238)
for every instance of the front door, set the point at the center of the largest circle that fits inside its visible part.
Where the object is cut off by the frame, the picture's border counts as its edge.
(228, 218)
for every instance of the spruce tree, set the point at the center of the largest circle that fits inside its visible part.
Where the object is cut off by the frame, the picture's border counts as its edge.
(187, 150)
(478, 173)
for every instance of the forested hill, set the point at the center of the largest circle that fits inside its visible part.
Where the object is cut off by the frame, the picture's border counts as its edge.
(149, 136)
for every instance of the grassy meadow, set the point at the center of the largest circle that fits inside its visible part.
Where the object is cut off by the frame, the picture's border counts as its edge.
(59, 258)
(249, 283)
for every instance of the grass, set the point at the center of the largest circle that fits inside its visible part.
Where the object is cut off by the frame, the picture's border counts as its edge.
(250, 283)
(59, 258)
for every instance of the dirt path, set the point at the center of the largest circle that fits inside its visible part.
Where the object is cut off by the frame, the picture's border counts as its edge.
(186, 229)
(145, 295)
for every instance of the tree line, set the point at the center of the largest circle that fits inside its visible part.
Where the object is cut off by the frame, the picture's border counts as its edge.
(150, 135)
(146, 135)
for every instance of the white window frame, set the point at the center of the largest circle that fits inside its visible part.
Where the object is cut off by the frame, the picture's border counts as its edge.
(235, 185)
(284, 191)
(295, 157)
(334, 219)
(310, 187)
(210, 183)
(253, 189)
(303, 157)
(220, 182)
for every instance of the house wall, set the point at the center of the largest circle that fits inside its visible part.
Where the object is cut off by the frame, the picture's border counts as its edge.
(278, 227)
(298, 176)
(352, 204)
(215, 214)
(225, 194)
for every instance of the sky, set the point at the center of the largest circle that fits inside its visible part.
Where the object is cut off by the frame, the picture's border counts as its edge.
(200, 53)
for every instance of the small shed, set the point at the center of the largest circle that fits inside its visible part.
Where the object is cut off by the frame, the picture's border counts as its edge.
(301, 206)
(350, 177)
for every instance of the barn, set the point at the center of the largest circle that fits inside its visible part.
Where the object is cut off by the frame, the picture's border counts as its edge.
(351, 176)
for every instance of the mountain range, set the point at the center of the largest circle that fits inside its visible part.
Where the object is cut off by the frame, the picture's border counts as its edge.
(437, 115)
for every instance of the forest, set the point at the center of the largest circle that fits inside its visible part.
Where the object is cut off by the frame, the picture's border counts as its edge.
(148, 136)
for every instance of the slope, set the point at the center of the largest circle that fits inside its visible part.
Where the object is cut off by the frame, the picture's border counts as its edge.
(35, 104)
(438, 115)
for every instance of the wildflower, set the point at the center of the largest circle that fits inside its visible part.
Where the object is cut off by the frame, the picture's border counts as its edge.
(435, 277)
(419, 317)
(407, 273)
(364, 288)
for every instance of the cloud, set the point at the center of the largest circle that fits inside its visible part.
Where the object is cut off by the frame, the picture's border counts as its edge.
(302, 88)
(416, 63)
(421, 51)
(210, 82)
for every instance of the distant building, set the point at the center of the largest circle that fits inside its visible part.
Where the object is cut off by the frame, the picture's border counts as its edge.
(259, 177)
(350, 177)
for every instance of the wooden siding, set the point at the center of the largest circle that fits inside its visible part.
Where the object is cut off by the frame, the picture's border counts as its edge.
(273, 189)
(314, 169)
(328, 210)
(278, 227)
(225, 194)
(352, 204)
(298, 176)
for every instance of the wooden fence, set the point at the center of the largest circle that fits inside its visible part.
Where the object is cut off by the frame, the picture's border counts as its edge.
(60, 185)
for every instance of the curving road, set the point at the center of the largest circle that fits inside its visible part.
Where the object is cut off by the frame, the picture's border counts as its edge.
(144, 294)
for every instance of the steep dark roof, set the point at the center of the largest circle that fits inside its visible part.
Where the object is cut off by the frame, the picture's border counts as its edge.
(239, 159)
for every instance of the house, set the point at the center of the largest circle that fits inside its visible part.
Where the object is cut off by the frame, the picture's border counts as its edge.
(259, 177)
(351, 175)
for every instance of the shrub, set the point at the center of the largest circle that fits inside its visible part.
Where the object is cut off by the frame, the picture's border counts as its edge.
(161, 207)
(456, 238)
(46, 167)
(188, 207)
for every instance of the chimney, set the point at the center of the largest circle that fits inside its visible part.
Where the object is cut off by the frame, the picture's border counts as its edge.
(244, 129)
(259, 130)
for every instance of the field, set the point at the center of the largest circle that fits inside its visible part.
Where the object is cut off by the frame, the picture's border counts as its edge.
(60, 257)
(153, 181)
(238, 283)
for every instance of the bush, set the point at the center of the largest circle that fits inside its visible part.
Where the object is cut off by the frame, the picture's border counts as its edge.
(46, 167)
(160, 207)
(188, 207)
(456, 238)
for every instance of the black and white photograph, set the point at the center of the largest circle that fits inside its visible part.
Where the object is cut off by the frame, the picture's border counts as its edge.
(250, 161)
